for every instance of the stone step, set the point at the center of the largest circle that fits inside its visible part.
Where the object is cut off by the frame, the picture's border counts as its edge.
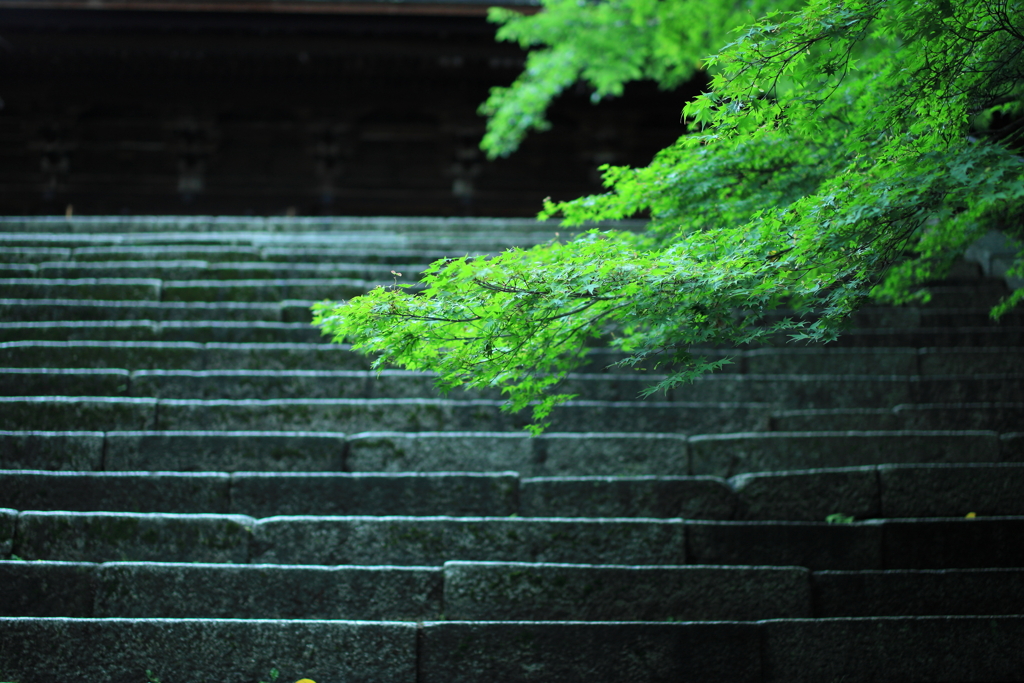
(203, 331)
(768, 651)
(884, 491)
(357, 415)
(180, 355)
(155, 289)
(1002, 416)
(42, 310)
(553, 454)
(263, 494)
(197, 269)
(921, 543)
(497, 591)
(806, 391)
(770, 361)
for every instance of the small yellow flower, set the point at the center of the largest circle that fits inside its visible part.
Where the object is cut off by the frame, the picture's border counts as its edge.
(305, 680)
(970, 515)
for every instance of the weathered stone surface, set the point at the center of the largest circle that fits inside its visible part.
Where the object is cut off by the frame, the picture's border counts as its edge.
(439, 452)
(175, 590)
(837, 420)
(193, 650)
(249, 384)
(808, 495)
(457, 652)
(953, 543)
(834, 361)
(101, 354)
(730, 454)
(63, 381)
(918, 592)
(71, 309)
(687, 497)
(84, 288)
(609, 453)
(801, 391)
(660, 417)
(1000, 417)
(802, 544)
(47, 413)
(280, 356)
(264, 494)
(348, 415)
(919, 649)
(47, 589)
(935, 490)
(1011, 447)
(971, 361)
(8, 524)
(51, 450)
(225, 451)
(546, 591)
(80, 330)
(265, 290)
(992, 387)
(116, 492)
(435, 540)
(107, 536)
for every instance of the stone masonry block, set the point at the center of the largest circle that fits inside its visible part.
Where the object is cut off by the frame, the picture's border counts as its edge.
(836, 420)
(263, 494)
(918, 592)
(659, 417)
(802, 544)
(913, 649)
(116, 492)
(731, 454)
(101, 354)
(547, 592)
(225, 451)
(81, 288)
(106, 536)
(439, 452)
(348, 415)
(971, 361)
(574, 652)
(62, 381)
(607, 453)
(245, 384)
(81, 451)
(953, 543)
(8, 525)
(1011, 447)
(47, 589)
(63, 412)
(173, 590)
(936, 490)
(194, 650)
(282, 356)
(1000, 417)
(810, 361)
(808, 495)
(435, 540)
(686, 497)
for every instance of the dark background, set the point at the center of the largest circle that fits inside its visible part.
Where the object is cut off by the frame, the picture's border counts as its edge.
(257, 112)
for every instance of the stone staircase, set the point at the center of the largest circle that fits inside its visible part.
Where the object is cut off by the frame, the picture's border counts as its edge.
(196, 487)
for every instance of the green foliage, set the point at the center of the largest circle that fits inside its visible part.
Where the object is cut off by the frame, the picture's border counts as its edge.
(845, 149)
(839, 518)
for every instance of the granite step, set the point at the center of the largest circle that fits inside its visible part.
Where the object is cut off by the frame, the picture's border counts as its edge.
(45, 310)
(272, 356)
(202, 331)
(553, 454)
(806, 391)
(358, 415)
(882, 491)
(156, 289)
(196, 269)
(998, 416)
(917, 543)
(768, 651)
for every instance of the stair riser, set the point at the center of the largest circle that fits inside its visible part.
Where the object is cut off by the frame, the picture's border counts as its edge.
(424, 541)
(551, 455)
(355, 415)
(887, 491)
(996, 416)
(256, 332)
(179, 269)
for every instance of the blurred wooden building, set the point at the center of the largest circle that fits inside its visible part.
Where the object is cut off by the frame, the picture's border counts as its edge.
(306, 107)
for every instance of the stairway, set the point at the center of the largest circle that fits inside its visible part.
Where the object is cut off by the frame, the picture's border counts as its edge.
(195, 486)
